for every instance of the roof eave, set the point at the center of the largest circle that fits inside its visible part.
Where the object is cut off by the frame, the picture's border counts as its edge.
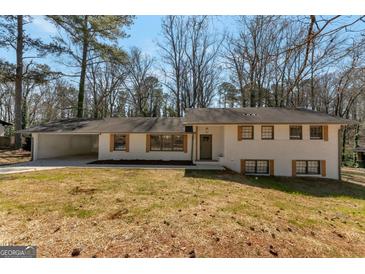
(271, 123)
(97, 132)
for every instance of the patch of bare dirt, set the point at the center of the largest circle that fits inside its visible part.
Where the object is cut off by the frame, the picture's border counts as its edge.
(79, 190)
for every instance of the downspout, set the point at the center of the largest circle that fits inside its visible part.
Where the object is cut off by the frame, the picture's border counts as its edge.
(192, 147)
(339, 147)
(32, 148)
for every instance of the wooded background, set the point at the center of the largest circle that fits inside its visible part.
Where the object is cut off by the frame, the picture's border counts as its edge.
(313, 62)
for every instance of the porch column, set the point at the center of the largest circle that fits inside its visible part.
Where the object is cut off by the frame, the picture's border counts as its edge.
(196, 142)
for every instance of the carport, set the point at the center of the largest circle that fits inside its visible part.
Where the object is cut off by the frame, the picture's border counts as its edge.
(49, 145)
(65, 139)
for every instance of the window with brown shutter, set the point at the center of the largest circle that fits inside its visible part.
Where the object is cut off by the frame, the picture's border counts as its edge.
(166, 143)
(267, 132)
(323, 168)
(325, 133)
(271, 168)
(316, 132)
(293, 168)
(295, 133)
(147, 142)
(239, 133)
(243, 167)
(185, 143)
(246, 132)
(120, 142)
(308, 167)
(256, 167)
(111, 142)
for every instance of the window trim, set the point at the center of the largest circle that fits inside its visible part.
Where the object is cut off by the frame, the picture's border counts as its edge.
(301, 132)
(252, 133)
(272, 132)
(306, 167)
(310, 136)
(161, 143)
(256, 173)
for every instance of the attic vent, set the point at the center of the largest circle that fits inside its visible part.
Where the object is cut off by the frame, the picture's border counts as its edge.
(249, 114)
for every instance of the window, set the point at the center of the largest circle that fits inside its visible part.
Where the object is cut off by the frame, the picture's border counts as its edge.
(247, 132)
(307, 167)
(267, 132)
(256, 167)
(120, 142)
(316, 132)
(155, 142)
(167, 143)
(295, 132)
(178, 144)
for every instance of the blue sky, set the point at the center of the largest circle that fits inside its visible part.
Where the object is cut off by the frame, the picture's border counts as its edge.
(142, 34)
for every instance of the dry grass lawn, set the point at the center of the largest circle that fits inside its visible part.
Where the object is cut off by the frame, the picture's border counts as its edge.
(12, 156)
(173, 213)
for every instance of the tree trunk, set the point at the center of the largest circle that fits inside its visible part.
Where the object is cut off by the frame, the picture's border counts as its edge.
(356, 143)
(80, 102)
(312, 91)
(25, 117)
(19, 81)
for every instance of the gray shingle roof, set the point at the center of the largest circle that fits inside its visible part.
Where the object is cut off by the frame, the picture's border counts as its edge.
(193, 116)
(110, 125)
(263, 115)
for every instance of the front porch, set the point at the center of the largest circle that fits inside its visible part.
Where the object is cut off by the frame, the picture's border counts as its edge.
(209, 144)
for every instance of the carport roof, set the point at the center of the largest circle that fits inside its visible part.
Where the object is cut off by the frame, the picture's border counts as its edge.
(110, 125)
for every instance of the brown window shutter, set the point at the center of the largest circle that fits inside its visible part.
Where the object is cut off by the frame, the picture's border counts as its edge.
(243, 167)
(185, 143)
(323, 168)
(127, 143)
(271, 167)
(294, 168)
(325, 133)
(239, 133)
(147, 142)
(111, 143)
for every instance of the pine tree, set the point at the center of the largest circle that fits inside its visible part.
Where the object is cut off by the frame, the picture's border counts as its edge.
(89, 34)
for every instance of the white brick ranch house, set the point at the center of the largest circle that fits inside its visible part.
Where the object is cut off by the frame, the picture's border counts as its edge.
(263, 141)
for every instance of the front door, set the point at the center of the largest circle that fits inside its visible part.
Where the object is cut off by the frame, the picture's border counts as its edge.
(205, 147)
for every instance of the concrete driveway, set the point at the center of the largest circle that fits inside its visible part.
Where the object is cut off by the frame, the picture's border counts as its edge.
(46, 164)
(81, 161)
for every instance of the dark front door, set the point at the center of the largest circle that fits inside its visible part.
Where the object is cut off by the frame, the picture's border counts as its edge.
(205, 147)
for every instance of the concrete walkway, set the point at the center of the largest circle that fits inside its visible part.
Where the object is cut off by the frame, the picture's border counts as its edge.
(82, 162)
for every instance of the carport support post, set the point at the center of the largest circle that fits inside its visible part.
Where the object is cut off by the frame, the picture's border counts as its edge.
(34, 146)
